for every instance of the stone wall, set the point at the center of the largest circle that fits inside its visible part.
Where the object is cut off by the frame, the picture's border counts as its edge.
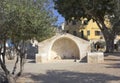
(64, 46)
(95, 57)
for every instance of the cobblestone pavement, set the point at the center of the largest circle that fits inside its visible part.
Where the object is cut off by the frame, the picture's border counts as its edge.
(68, 71)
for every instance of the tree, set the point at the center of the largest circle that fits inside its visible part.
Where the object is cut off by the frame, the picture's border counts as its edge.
(21, 21)
(92, 9)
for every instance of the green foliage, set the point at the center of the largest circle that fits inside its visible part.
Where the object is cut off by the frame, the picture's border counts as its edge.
(25, 19)
(22, 20)
(96, 10)
(84, 8)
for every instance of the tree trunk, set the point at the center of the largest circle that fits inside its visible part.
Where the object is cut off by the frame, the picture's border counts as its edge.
(109, 40)
(108, 34)
(10, 79)
(109, 45)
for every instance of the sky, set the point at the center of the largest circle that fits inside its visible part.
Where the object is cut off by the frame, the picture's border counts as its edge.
(60, 19)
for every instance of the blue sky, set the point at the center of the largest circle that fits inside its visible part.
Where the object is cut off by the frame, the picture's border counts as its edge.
(60, 19)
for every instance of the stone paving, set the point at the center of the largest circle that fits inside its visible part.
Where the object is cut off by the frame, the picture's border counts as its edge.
(68, 71)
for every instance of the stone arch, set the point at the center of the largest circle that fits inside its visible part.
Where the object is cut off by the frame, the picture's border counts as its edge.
(64, 48)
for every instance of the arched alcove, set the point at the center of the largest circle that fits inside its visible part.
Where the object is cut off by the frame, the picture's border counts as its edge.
(64, 48)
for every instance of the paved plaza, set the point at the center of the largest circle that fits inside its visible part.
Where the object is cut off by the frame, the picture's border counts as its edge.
(68, 71)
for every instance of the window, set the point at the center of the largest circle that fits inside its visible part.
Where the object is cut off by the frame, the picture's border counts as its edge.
(74, 33)
(97, 33)
(88, 33)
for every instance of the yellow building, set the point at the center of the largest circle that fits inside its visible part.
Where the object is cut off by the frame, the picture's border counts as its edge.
(90, 31)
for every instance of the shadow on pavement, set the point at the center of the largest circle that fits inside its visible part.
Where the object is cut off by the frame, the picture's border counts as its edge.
(112, 59)
(116, 65)
(61, 76)
(84, 60)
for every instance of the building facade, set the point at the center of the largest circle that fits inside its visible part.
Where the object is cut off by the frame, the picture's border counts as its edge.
(88, 31)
